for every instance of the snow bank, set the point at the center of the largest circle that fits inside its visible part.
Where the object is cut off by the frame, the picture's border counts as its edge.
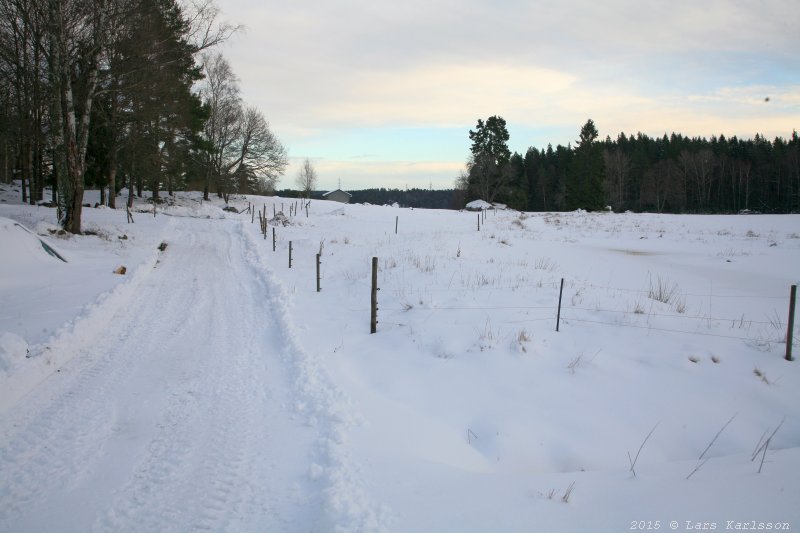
(347, 505)
(23, 251)
(477, 205)
(45, 358)
(13, 350)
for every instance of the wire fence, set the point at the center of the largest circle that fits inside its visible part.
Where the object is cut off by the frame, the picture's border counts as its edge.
(760, 332)
(657, 318)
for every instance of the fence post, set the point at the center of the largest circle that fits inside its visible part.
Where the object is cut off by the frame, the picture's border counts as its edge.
(558, 316)
(290, 254)
(790, 327)
(479, 221)
(396, 220)
(318, 288)
(373, 320)
(273, 238)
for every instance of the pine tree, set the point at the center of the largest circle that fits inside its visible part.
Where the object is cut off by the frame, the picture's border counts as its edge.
(490, 156)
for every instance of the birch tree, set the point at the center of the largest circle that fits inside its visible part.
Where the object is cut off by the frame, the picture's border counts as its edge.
(307, 178)
(244, 154)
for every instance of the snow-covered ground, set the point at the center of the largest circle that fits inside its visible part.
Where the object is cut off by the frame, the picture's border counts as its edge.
(212, 387)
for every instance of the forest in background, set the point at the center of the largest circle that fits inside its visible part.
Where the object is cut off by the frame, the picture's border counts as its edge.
(668, 174)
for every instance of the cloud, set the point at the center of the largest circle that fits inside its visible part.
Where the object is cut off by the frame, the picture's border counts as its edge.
(321, 70)
(444, 95)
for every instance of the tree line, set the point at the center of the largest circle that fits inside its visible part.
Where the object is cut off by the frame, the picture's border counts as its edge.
(125, 93)
(674, 173)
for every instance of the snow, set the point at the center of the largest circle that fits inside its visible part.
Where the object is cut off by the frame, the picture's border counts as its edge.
(477, 205)
(212, 386)
(13, 349)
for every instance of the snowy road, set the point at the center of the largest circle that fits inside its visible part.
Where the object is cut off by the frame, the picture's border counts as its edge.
(179, 417)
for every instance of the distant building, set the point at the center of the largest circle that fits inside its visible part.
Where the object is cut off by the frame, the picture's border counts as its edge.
(338, 196)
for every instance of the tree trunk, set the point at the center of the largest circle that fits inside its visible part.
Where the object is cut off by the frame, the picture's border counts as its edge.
(75, 128)
(130, 184)
(112, 180)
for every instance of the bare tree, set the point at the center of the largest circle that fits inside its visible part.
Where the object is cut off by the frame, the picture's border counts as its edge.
(204, 31)
(618, 167)
(661, 186)
(307, 178)
(245, 154)
(260, 151)
(23, 35)
(697, 168)
(220, 93)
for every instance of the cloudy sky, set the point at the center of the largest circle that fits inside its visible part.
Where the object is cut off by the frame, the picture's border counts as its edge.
(383, 94)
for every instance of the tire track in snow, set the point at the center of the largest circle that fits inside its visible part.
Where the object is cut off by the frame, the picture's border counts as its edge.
(70, 424)
(177, 421)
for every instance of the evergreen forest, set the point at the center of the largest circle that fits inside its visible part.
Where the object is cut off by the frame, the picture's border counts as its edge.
(667, 174)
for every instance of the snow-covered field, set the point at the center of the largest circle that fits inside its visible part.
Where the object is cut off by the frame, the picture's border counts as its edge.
(212, 387)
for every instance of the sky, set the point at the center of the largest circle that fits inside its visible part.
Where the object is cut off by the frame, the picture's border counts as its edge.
(383, 94)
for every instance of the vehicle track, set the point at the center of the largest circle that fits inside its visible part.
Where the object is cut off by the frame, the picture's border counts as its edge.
(178, 417)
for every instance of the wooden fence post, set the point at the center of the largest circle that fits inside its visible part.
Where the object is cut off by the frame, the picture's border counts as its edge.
(273, 238)
(373, 320)
(396, 220)
(558, 316)
(318, 287)
(479, 221)
(290, 254)
(790, 326)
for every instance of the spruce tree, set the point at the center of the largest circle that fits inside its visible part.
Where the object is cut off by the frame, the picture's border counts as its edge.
(584, 187)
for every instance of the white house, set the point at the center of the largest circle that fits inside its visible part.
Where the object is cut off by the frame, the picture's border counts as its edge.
(338, 196)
